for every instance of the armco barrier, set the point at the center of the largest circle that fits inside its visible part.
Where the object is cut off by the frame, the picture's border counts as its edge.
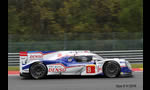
(133, 56)
(13, 59)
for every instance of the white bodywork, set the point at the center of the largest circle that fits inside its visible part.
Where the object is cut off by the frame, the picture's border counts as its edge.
(88, 68)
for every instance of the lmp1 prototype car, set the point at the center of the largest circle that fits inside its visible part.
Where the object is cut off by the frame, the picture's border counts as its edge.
(39, 64)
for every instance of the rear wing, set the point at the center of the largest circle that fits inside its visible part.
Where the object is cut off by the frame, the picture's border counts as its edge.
(22, 59)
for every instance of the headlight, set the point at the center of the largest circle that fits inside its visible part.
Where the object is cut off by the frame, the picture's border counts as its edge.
(128, 65)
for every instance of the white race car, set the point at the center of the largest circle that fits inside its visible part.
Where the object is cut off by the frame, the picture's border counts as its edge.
(39, 64)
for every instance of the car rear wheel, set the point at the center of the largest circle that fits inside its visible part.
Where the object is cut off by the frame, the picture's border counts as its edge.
(38, 70)
(111, 69)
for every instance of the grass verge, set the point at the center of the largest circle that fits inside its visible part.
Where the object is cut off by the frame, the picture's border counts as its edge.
(16, 68)
(13, 68)
(137, 65)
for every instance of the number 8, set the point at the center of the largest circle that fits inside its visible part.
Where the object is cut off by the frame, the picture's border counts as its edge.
(89, 69)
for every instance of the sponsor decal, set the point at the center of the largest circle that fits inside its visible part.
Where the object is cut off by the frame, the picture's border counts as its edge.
(90, 69)
(56, 68)
(99, 69)
(86, 51)
(59, 55)
(36, 57)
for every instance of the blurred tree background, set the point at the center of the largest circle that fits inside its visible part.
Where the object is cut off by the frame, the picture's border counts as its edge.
(39, 20)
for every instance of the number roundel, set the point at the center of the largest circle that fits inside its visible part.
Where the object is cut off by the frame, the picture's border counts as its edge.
(90, 69)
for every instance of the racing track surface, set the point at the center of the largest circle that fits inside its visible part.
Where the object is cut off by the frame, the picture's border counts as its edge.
(15, 82)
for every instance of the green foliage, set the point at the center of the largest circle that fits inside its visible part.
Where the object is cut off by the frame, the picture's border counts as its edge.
(131, 15)
(28, 17)
(13, 17)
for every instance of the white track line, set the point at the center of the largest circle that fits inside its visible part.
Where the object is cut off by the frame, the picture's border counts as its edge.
(137, 71)
(13, 74)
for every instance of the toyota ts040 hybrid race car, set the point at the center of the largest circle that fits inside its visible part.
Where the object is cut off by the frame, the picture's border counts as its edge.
(39, 64)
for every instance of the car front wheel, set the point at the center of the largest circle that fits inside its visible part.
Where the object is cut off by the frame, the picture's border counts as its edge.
(111, 69)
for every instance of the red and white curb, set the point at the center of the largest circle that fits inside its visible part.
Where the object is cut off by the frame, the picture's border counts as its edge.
(13, 73)
(17, 72)
(137, 69)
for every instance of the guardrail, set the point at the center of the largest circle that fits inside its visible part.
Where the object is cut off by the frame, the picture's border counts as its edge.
(133, 56)
(13, 59)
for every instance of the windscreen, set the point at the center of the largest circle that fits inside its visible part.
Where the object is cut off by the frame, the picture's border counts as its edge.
(83, 58)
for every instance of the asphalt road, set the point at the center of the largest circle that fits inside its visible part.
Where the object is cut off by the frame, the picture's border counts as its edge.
(77, 83)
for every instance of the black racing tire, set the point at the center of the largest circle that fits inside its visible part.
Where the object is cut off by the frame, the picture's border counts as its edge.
(38, 70)
(111, 69)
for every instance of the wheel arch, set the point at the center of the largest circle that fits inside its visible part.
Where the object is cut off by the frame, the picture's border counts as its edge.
(111, 61)
(36, 62)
